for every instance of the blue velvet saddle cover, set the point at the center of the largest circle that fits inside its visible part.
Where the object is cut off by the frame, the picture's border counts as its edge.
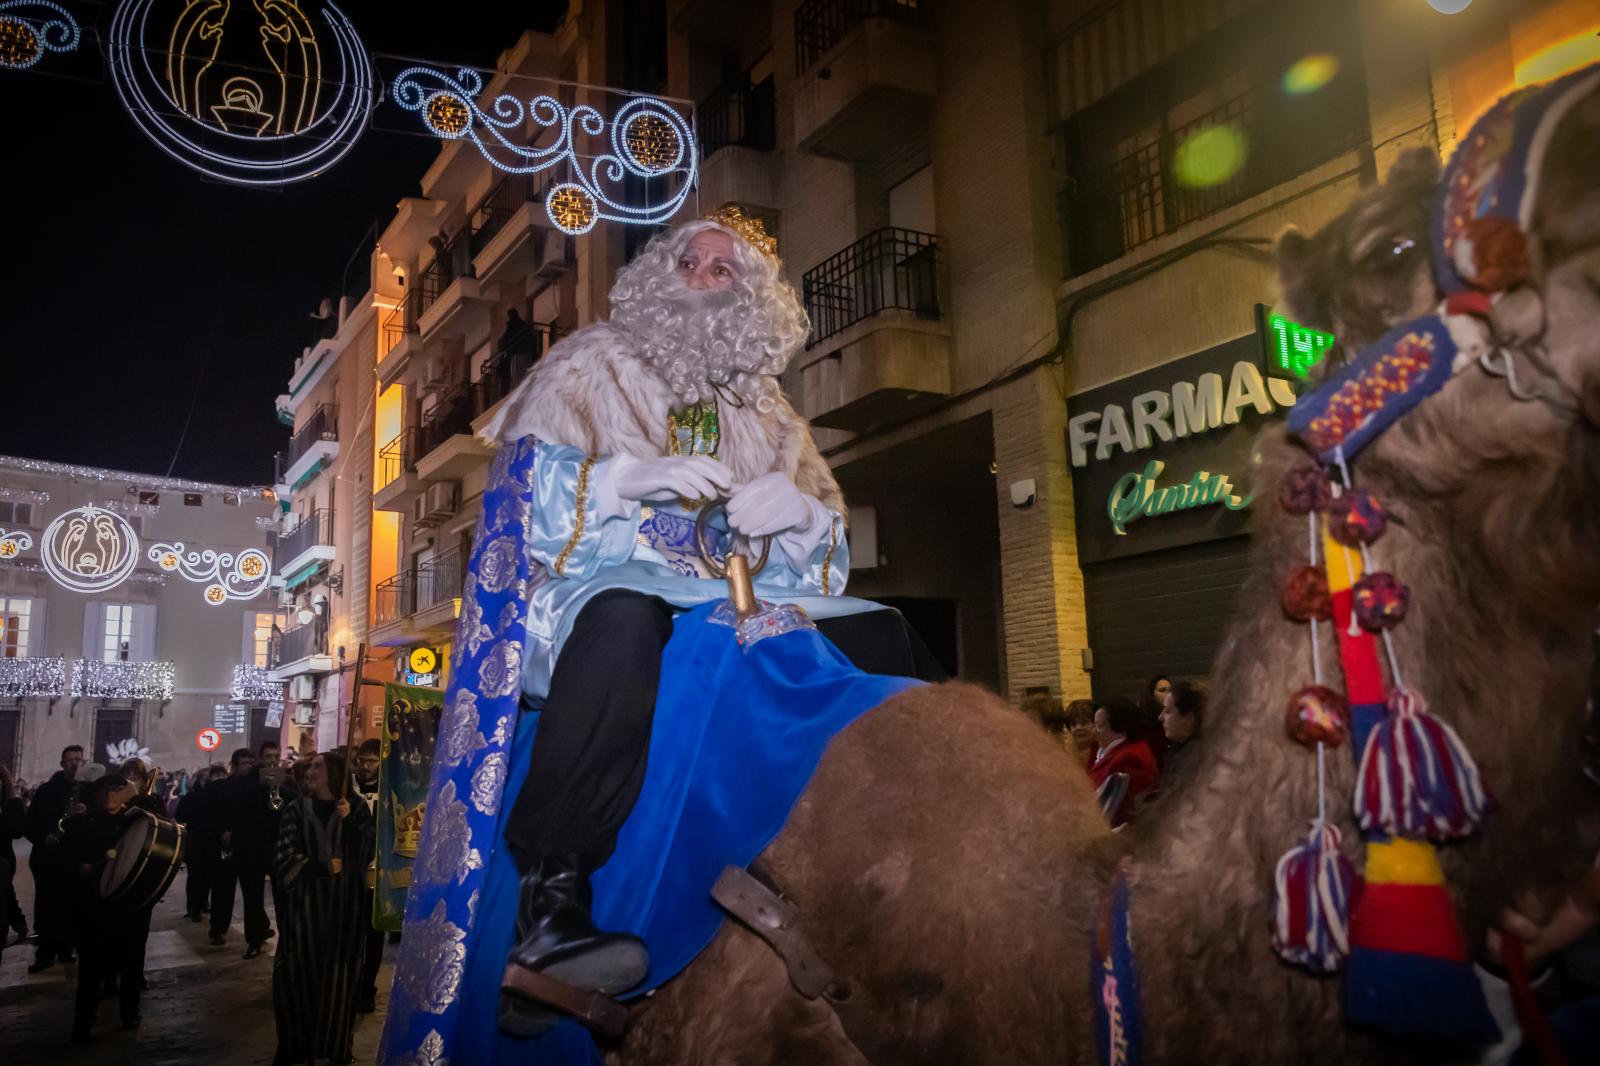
(738, 733)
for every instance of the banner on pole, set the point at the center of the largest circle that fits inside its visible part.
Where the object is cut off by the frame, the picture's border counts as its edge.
(410, 726)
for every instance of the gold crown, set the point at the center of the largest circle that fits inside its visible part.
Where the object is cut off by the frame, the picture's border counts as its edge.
(747, 226)
(407, 827)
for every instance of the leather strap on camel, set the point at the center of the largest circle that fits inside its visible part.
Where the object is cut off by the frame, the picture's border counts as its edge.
(776, 920)
(595, 1010)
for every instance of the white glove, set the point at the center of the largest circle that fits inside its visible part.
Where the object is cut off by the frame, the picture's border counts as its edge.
(771, 504)
(692, 477)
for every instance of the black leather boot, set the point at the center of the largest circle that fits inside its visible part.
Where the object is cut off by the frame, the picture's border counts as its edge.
(557, 937)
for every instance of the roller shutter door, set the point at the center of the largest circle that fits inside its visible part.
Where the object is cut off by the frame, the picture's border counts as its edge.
(1161, 612)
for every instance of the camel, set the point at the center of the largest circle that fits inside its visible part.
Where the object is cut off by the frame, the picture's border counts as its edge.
(949, 858)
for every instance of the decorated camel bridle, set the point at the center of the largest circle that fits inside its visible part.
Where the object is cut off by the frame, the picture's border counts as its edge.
(1393, 930)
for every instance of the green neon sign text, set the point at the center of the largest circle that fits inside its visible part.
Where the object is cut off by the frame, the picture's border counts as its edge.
(1136, 495)
(1288, 349)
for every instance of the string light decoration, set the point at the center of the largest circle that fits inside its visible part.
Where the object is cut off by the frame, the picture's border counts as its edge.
(125, 507)
(226, 575)
(292, 122)
(31, 495)
(14, 542)
(89, 549)
(447, 115)
(24, 41)
(73, 472)
(255, 683)
(138, 576)
(122, 680)
(37, 676)
(646, 138)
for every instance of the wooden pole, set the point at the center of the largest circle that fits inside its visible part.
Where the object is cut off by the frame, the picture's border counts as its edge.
(352, 715)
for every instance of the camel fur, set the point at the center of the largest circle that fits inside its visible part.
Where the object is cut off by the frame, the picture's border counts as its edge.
(948, 857)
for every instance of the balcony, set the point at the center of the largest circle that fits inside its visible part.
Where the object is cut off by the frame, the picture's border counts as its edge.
(253, 683)
(397, 482)
(513, 242)
(119, 679)
(447, 449)
(866, 78)
(420, 604)
(33, 677)
(744, 26)
(301, 650)
(451, 303)
(880, 347)
(738, 130)
(305, 548)
(314, 445)
(399, 338)
(515, 355)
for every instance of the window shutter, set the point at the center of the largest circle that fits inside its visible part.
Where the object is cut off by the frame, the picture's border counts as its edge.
(144, 633)
(94, 631)
(36, 642)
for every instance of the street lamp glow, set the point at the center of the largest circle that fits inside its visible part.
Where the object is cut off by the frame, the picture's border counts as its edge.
(1449, 7)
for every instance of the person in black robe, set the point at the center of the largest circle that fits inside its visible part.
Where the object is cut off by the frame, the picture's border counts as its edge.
(324, 845)
(51, 918)
(110, 939)
(13, 820)
(219, 811)
(255, 841)
(369, 764)
(196, 874)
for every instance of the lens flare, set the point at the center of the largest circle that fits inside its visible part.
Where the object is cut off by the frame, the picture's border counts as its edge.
(1310, 74)
(1449, 7)
(1559, 58)
(1210, 157)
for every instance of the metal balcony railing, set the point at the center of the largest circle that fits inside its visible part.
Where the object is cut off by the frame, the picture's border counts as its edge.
(740, 114)
(821, 24)
(322, 425)
(503, 201)
(397, 457)
(402, 319)
(451, 261)
(298, 643)
(123, 679)
(439, 580)
(514, 356)
(393, 598)
(251, 682)
(451, 415)
(888, 268)
(314, 529)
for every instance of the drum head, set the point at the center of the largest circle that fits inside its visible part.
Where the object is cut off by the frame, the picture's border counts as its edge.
(130, 851)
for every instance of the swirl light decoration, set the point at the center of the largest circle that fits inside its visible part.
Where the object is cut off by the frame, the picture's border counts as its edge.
(89, 549)
(24, 40)
(646, 138)
(14, 542)
(226, 576)
(294, 109)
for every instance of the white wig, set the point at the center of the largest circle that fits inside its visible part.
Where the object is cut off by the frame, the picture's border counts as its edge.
(705, 342)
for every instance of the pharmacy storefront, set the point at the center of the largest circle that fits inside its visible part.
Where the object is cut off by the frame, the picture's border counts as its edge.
(1164, 481)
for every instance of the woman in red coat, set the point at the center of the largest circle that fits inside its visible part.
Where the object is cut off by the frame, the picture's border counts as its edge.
(1120, 752)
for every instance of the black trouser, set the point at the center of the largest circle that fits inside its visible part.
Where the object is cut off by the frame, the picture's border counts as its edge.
(11, 916)
(51, 914)
(588, 759)
(252, 893)
(372, 958)
(112, 949)
(197, 882)
(224, 876)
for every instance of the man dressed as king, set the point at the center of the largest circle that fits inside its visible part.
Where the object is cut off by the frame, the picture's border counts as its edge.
(588, 552)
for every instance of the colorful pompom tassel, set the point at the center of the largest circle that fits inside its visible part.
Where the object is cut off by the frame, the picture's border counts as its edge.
(1416, 778)
(1315, 886)
(1380, 601)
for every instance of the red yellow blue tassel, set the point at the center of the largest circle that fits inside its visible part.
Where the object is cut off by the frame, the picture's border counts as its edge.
(1416, 778)
(1313, 890)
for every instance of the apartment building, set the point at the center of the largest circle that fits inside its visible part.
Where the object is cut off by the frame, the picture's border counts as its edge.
(116, 631)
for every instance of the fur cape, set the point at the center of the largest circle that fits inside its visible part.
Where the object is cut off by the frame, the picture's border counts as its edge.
(592, 391)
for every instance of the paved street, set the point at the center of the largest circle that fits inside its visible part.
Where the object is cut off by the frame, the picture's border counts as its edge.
(205, 1004)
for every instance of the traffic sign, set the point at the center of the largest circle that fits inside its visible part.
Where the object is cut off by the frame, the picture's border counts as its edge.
(208, 739)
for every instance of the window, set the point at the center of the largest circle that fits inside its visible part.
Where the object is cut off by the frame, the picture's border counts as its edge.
(149, 499)
(14, 625)
(1206, 128)
(192, 499)
(118, 632)
(15, 514)
(261, 638)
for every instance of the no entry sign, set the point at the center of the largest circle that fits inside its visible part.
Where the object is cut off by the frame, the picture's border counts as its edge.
(208, 739)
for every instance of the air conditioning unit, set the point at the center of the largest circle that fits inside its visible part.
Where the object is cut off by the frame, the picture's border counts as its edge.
(435, 373)
(437, 503)
(303, 687)
(550, 255)
(305, 713)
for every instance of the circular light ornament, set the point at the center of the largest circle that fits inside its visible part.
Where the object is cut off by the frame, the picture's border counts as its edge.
(8, 549)
(216, 594)
(1210, 157)
(652, 143)
(89, 549)
(1310, 73)
(24, 41)
(447, 115)
(251, 122)
(252, 564)
(572, 209)
(1449, 7)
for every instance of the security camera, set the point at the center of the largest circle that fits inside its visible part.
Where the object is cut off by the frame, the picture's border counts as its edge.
(1023, 493)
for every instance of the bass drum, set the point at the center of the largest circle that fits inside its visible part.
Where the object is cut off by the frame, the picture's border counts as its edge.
(147, 858)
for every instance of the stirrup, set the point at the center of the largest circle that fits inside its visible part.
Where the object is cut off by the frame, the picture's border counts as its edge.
(595, 1010)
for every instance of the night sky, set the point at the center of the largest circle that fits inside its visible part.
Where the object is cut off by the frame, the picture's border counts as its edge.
(130, 276)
